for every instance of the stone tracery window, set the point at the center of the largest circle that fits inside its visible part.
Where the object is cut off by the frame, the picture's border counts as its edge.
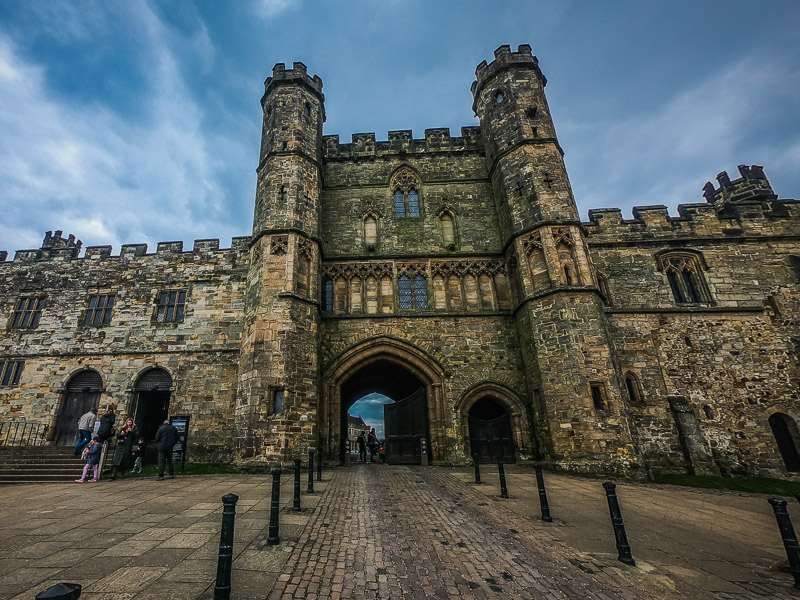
(405, 187)
(685, 277)
(327, 294)
(412, 290)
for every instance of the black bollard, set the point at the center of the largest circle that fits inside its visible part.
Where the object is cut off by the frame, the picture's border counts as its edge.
(319, 467)
(222, 589)
(543, 496)
(623, 548)
(296, 504)
(61, 591)
(274, 507)
(502, 471)
(311, 472)
(788, 536)
(477, 469)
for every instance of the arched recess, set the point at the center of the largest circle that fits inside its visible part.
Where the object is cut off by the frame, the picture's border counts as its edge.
(81, 393)
(520, 422)
(787, 438)
(152, 391)
(393, 351)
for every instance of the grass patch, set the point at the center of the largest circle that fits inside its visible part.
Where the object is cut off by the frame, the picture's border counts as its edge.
(191, 469)
(759, 485)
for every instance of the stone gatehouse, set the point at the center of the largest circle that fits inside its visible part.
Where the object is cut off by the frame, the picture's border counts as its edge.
(450, 273)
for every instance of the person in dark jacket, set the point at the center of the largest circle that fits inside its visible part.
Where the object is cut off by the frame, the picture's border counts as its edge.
(106, 429)
(92, 460)
(123, 455)
(166, 438)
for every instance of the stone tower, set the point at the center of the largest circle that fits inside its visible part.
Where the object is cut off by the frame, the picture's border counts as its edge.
(580, 413)
(276, 415)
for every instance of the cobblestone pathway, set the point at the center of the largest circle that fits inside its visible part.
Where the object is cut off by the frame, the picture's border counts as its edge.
(405, 532)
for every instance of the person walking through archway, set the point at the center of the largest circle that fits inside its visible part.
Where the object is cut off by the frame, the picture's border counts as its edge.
(362, 447)
(372, 442)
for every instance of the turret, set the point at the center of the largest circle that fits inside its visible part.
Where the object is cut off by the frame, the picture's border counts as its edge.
(751, 188)
(277, 409)
(525, 159)
(291, 151)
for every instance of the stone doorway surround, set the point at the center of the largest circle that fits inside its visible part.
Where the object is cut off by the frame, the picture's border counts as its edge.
(403, 354)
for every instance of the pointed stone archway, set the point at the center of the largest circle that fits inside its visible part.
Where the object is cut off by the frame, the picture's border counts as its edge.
(385, 353)
(523, 446)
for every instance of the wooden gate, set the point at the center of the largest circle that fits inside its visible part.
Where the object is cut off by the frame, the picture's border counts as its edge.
(406, 422)
(81, 395)
(492, 438)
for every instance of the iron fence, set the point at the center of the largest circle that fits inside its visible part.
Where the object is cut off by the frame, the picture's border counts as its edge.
(22, 433)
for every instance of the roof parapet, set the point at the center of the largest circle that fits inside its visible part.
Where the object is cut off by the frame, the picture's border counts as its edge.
(505, 59)
(751, 187)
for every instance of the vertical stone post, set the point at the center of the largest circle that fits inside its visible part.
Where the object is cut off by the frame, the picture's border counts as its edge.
(623, 548)
(274, 509)
(222, 589)
(319, 467)
(543, 496)
(788, 536)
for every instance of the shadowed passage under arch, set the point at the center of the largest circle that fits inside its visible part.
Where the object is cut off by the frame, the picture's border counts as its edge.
(405, 419)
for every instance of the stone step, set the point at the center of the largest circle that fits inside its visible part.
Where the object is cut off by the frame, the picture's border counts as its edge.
(9, 479)
(33, 460)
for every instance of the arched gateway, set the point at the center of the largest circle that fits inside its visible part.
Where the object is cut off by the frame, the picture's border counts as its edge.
(404, 373)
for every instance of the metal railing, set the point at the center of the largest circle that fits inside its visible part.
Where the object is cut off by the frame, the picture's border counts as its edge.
(22, 433)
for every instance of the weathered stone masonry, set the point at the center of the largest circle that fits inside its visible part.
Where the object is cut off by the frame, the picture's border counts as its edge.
(613, 345)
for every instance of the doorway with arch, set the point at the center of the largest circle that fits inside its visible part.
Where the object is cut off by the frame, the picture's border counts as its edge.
(152, 395)
(81, 394)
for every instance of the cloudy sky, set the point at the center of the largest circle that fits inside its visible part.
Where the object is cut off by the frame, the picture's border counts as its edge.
(128, 122)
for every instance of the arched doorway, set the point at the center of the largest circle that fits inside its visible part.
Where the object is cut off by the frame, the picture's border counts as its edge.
(405, 420)
(400, 371)
(152, 396)
(787, 436)
(81, 394)
(490, 433)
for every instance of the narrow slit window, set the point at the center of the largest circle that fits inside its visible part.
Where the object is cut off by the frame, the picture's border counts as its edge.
(278, 401)
(404, 292)
(597, 397)
(420, 292)
(327, 294)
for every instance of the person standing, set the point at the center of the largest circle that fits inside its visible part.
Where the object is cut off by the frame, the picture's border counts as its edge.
(123, 455)
(92, 460)
(138, 454)
(362, 447)
(106, 429)
(85, 427)
(372, 442)
(166, 438)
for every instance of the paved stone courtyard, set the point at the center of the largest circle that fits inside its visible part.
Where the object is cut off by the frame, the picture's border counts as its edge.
(373, 531)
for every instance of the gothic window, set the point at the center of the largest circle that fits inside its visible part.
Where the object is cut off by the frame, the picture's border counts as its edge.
(170, 306)
(412, 290)
(327, 294)
(405, 193)
(420, 292)
(28, 312)
(399, 204)
(98, 311)
(685, 278)
(633, 387)
(538, 267)
(413, 203)
(404, 291)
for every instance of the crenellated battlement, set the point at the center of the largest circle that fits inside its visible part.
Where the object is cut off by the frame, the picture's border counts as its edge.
(751, 187)
(297, 74)
(504, 59)
(70, 250)
(403, 142)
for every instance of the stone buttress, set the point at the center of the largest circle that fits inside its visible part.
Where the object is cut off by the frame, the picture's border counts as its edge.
(580, 418)
(276, 412)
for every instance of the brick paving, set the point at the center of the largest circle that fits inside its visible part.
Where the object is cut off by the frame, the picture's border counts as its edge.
(409, 532)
